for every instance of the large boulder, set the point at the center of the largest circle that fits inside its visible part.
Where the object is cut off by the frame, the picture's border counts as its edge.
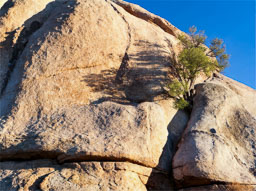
(106, 131)
(82, 82)
(218, 145)
(82, 105)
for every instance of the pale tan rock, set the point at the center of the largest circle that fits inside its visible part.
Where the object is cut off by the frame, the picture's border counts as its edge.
(108, 130)
(15, 18)
(2, 2)
(221, 187)
(246, 95)
(219, 141)
(139, 12)
(85, 84)
(79, 90)
(82, 71)
(73, 59)
(46, 175)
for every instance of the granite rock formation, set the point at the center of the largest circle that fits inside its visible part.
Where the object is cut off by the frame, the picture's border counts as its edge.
(82, 105)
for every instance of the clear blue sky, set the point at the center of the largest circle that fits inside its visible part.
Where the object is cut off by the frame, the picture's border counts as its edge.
(231, 20)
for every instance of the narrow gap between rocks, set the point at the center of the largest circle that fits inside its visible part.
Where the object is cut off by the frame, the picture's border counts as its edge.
(62, 158)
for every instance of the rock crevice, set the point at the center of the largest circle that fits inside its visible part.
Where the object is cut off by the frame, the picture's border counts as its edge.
(122, 71)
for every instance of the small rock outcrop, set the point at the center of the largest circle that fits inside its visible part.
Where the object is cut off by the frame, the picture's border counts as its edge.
(218, 145)
(82, 105)
(78, 176)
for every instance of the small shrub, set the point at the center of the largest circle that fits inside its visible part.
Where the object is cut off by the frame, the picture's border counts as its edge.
(181, 104)
(193, 60)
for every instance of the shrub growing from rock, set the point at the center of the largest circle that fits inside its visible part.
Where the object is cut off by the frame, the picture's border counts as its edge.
(194, 59)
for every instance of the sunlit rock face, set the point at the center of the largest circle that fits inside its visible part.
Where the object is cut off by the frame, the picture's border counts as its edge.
(218, 144)
(82, 104)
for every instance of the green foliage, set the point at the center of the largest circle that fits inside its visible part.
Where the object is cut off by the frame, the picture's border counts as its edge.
(194, 59)
(175, 89)
(181, 103)
(217, 49)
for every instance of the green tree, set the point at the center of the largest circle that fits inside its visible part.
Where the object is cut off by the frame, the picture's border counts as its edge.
(194, 59)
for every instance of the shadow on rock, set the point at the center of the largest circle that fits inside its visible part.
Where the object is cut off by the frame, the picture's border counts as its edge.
(105, 82)
(33, 26)
(163, 180)
(140, 78)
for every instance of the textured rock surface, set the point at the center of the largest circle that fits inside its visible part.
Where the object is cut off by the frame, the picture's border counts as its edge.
(221, 187)
(67, 63)
(108, 130)
(47, 175)
(219, 143)
(76, 81)
(16, 19)
(139, 12)
(82, 69)
(81, 105)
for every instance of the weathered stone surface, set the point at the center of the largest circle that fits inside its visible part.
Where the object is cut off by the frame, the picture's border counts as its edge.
(83, 69)
(16, 19)
(246, 95)
(86, 51)
(46, 175)
(82, 81)
(75, 85)
(139, 12)
(73, 59)
(219, 143)
(108, 130)
(221, 187)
